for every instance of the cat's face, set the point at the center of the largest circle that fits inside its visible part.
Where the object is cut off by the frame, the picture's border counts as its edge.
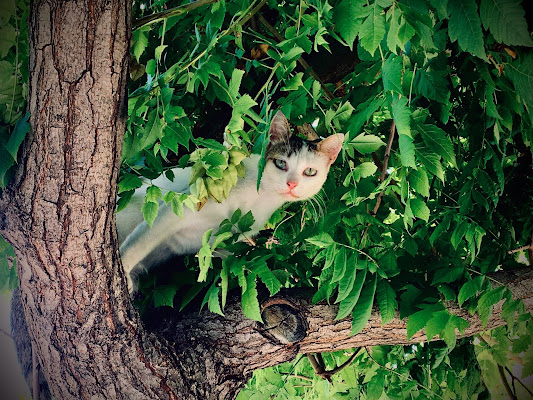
(296, 169)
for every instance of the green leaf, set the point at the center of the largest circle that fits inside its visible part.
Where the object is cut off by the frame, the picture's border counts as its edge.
(129, 182)
(249, 302)
(321, 240)
(346, 306)
(419, 181)
(346, 16)
(339, 265)
(22, 127)
(465, 26)
(348, 279)
(213, 302)
(430, 161)
(392, 74)
(407, 150)
(401, 115)
(487, 301)
(364, 170)
(470, 289)
(268, 278)
(437, 140)
(150, 210)
(437, 324)
(294, 83)
(140, 38)
(366, 144)
(235, 82)
(8, 38)
(372, 31)
(420, 209)
(419, 319)
(505, 20)
(521, 74)
(245, 222)
(448, 275)
(386, 298)
(164, 295)
(363, 308)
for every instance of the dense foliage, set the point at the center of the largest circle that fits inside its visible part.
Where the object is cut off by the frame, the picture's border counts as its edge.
(432, 192)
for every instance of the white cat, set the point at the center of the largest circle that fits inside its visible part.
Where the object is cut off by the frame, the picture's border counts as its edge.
(295, 170)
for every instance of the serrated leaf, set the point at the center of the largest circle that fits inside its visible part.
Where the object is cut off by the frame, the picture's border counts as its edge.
(364, 170)
(213, 302)
(437, 324)
(470, 289)
(339, 265)
(363, 308)
(465, 26)
(391, 74)
(448, 275)
(521, 74)
(505, 20)
(419, 181)
(140, 37)
(401, 115)
(249, 302)
(419, 209)
(321, 240)
(419, 319)
(150, 210)
(407, 151)
(347, 18)
(245, 222)
(22, 127)
(366, 144)
(346, 306)
(486, 303)
(348, 279)
(372, 30)
(431, 161)
(129, 182)
(235, 82)
(437, 140)
(386, 299)
(268, 278)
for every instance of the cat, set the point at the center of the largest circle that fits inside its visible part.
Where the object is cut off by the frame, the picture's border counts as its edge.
(295, 170)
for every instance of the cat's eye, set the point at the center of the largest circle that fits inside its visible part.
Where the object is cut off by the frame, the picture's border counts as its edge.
(281, 164)
(310, 171)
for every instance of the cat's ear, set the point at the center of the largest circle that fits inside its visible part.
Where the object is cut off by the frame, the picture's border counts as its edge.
(280, 130)
(331, 146)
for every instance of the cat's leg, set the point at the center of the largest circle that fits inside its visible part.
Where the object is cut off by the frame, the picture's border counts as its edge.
(144, 240)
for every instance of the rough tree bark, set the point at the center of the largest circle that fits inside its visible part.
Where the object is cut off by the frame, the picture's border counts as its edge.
(58, 215)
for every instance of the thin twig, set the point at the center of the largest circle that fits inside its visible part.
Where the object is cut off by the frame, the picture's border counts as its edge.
(522, 248)
(514, 378)
(385, 166)
(7, 334)
(508, 389)
(329, 95)
(183, 9)
(346, 363)
(302, 377)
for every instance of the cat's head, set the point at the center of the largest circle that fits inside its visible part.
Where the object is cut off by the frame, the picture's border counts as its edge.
(296, 168)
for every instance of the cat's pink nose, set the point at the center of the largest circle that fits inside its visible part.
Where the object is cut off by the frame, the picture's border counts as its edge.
(291, 184)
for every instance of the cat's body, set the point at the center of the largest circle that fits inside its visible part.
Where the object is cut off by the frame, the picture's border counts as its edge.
(295, 170)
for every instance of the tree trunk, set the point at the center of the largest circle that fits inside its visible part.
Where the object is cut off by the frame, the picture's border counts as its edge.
(59, 216)
(58, 212)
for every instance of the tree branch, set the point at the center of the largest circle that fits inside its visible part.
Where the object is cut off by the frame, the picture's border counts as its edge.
(384, 167)
(510, 393)
(183, 9)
